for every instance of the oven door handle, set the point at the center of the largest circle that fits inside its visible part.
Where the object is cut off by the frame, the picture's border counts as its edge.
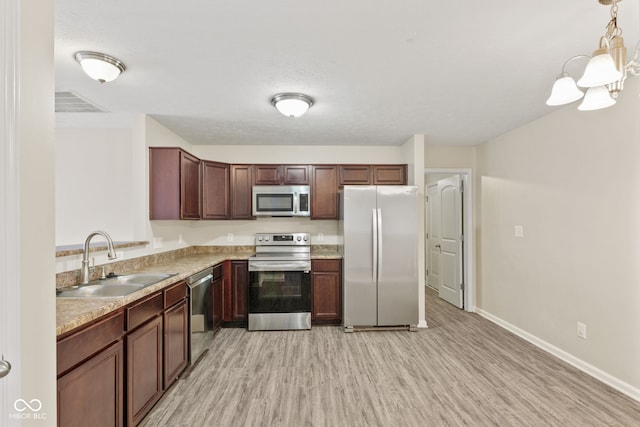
(201, 281)
(270, 266)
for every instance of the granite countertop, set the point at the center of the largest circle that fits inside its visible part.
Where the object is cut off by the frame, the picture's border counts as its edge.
(74, 312)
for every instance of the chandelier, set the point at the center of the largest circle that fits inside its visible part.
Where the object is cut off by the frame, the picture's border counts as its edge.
(604, 74)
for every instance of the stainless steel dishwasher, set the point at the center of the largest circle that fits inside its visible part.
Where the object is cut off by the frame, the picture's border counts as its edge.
(201, 326)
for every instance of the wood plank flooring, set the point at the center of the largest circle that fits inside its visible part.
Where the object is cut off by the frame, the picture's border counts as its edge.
(461, 371)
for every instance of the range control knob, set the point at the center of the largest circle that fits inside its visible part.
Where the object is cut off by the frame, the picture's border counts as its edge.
(298, 238)
(259, 238)
(306, 238)
(266, 238)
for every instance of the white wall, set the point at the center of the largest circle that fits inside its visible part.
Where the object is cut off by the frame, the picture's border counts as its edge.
(37, 364)
(572, 180)
(132, 191)
(93, 183)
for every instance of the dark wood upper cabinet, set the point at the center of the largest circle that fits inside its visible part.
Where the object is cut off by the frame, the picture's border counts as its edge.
(174, 184)
(389, 174)
(281, 174)
(355, 174)
(324, 192)
(267, 174)
(215, 190)
(296, 174)
(241, 183)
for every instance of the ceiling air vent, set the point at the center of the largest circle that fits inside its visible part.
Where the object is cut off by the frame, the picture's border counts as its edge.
(69, 102)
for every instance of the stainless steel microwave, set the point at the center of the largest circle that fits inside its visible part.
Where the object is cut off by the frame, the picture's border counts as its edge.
(281, 200)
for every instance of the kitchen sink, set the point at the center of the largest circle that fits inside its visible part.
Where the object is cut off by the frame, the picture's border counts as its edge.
(117, 286)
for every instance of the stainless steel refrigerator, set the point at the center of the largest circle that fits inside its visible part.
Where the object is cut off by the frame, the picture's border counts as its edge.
(378, 229)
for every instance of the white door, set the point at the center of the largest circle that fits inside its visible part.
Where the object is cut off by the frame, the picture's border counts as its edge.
(433, 237)
(450, 286)
(9, 218)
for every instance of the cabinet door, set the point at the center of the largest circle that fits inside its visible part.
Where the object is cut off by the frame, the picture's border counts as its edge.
(296, 174)
(215, 190)
(324, 192)
(327, 291)
(390, 174)
(189, 186)
(267, 174)
(241, 182)
(239, 286)
(176, 331)
(92, 393)
(144, 369)
(164, 183)
(355, 174)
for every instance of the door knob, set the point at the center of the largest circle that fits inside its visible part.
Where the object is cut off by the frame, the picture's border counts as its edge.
(5, 367)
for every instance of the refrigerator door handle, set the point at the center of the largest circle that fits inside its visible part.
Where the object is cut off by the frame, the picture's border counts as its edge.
(379, 239)
(374, 247)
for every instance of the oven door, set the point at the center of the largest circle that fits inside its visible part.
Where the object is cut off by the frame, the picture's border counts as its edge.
(279, 291)
(279, 294)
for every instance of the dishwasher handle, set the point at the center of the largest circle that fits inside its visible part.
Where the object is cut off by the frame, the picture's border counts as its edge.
(201, 281)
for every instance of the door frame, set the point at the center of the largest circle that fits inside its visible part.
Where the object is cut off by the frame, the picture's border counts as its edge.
(468, 245)
(10, 214)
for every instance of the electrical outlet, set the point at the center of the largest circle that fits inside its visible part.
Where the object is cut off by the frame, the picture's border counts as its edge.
(180, 239)
(582, 330)
(229, 237)
(157, 242)
(518, 231)
(320, 237)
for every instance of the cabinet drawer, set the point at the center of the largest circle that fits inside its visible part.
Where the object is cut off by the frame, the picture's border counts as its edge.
(174, 294)
(325, 265)
(144, 310)
(79, 346)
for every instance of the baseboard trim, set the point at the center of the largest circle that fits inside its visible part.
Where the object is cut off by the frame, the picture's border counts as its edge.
(585, 367)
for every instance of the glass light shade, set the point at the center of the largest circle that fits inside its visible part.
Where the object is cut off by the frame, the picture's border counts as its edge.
(292, 104)
(98, 66)
(564, 91)
(596, 98)
(600, 70)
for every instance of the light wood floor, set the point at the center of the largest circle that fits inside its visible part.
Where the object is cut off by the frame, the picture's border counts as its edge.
(461, 371)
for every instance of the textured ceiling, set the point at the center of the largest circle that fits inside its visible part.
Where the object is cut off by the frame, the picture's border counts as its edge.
(459, 72)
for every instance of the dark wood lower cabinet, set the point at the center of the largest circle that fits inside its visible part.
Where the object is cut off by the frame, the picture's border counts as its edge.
(144, 369)
(236, 284)
(92, 393)
(326, 291)
(176, 331)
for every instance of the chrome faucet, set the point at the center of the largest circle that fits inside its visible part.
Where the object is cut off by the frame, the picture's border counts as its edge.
(84, 271)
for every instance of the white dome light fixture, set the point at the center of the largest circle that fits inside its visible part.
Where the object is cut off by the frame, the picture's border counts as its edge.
(99, 66)
(292, 104)
(605, 73)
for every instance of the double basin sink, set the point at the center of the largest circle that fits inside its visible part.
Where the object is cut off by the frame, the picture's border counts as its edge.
(111, 287)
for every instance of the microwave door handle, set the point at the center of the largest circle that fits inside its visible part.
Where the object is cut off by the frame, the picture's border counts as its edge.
(296, 203)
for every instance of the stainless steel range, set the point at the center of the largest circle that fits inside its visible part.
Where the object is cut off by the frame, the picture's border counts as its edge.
(280, 282)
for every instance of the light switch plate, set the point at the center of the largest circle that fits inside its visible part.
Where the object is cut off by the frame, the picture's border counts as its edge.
(518, 231)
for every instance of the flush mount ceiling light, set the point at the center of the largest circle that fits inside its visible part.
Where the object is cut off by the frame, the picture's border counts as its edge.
(99, 66)
(292, 104)
(605, 73)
